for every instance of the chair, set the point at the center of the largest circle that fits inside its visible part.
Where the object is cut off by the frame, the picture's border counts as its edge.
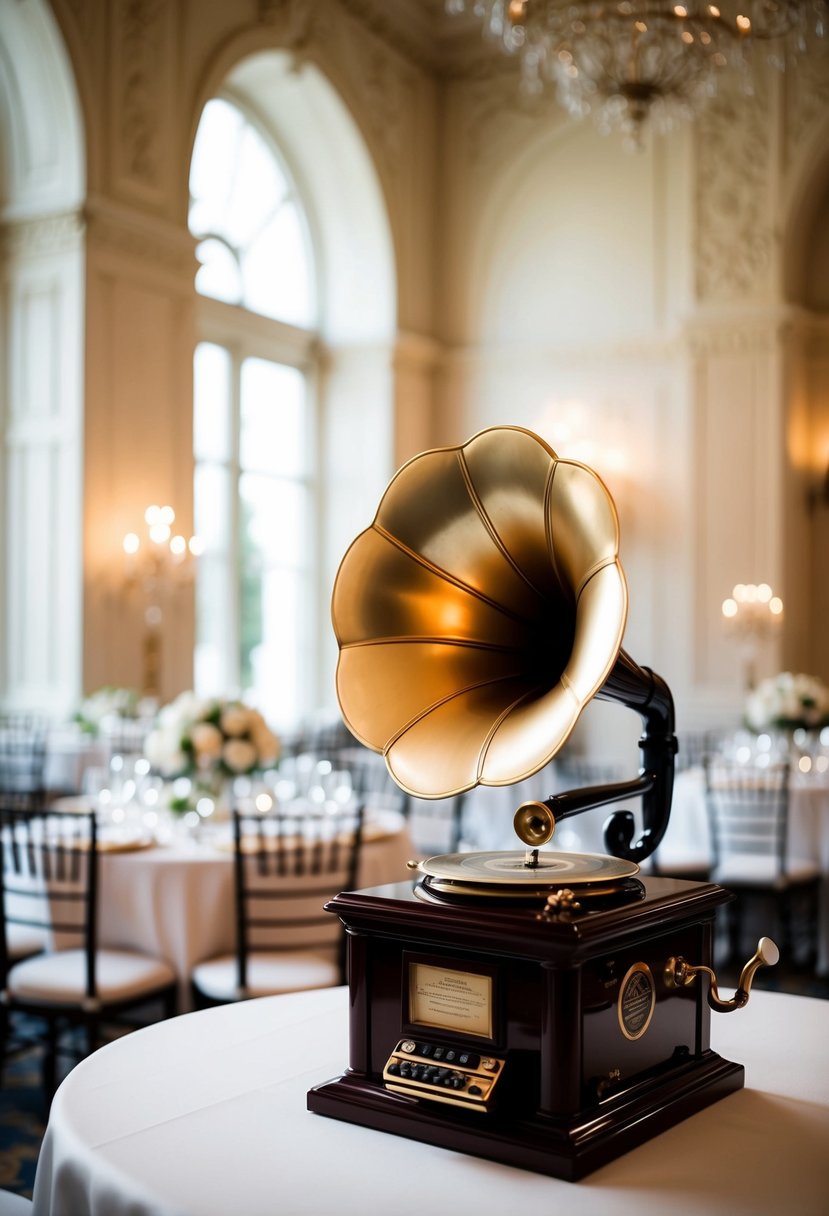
(286, 866)
(49, 873)
(23, 740)
(748, 818)
(695, 746)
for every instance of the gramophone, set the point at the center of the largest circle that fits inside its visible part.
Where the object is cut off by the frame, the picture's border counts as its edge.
(547, 1010)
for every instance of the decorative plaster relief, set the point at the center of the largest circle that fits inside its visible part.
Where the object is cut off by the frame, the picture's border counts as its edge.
(806, 96)
(156, 243)
(651, 352)
(383, 86)
(142, 58)
(387, 95)
(733, 235)
(293, 21)
(46, 235)
(737, 335)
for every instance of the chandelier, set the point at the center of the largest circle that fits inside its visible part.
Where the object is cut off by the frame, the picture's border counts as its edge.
(629, 61)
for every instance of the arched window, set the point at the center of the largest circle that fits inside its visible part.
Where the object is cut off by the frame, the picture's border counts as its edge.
(254, 419)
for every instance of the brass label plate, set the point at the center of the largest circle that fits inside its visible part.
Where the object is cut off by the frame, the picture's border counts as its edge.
(636, 1001)
(458, 1001)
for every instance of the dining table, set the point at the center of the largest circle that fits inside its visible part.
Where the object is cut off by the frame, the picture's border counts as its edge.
(171, 894)
(205, 1115)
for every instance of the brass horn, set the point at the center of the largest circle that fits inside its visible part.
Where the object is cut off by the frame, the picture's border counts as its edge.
(476, 617)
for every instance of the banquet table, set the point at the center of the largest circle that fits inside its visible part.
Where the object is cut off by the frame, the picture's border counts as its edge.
(205, 1115)
(176, 900)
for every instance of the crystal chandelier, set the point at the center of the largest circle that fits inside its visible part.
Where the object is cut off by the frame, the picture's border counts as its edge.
(629, 61)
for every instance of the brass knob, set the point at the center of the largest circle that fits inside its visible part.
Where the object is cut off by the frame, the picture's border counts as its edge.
(679, 973)
(534, 823)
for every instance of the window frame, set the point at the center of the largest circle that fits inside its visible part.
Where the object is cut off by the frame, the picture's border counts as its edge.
(245, 335)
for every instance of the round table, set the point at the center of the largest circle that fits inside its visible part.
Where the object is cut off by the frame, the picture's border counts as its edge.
(176, 900)
(205, 1115)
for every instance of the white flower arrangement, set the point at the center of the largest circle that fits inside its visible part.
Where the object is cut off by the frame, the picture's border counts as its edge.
(105, 706)
(788, 702)
(209, 736)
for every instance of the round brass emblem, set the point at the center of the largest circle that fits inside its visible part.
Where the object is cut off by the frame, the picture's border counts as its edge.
(637, 998)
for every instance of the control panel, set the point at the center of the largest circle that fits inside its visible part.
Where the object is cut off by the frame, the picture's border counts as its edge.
(441, 1073)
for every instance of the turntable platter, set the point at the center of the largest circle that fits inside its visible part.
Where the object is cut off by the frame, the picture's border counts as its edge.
(510, 869)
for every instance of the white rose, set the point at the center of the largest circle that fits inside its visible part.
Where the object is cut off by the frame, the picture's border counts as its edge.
(756, 711)
(164, 753)
(181, 713)
(239, 755)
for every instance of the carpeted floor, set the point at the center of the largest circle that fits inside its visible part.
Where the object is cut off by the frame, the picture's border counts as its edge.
(22, 1124)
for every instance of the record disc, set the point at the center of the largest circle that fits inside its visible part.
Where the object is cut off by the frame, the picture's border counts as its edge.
(510, 868)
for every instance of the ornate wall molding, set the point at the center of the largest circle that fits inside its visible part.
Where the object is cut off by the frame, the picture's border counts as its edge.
(142, 83)
(806, 93)
(162, 244)
(648, 352)
(42, 235)
(294, 22)
(738, 334)
(733, 237)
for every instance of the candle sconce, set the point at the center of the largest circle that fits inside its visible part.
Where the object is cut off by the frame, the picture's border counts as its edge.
(155, 566)
(752, 612)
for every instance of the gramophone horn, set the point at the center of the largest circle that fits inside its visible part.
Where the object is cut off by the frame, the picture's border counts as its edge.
(480, 612)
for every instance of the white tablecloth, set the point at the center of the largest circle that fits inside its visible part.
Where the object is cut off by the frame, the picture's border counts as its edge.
(176, 901)
(69, 752)
(205, 1115)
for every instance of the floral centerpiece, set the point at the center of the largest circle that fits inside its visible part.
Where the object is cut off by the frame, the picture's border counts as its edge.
(788, 702)
(211, 741)
(105, 706)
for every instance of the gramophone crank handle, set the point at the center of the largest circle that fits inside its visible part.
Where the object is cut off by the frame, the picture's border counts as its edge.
(678, 974)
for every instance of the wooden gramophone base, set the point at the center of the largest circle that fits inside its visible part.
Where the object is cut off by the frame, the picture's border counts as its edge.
(594, 1048)
(567, 1149)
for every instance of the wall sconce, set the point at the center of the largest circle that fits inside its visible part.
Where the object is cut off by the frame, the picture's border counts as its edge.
(156, 566)
(752, 612)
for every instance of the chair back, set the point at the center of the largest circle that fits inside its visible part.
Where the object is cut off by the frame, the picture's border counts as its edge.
(339, 775)
(48, 861)
(696, 746)
(747, 813)
(22, 755)
(287, 866)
